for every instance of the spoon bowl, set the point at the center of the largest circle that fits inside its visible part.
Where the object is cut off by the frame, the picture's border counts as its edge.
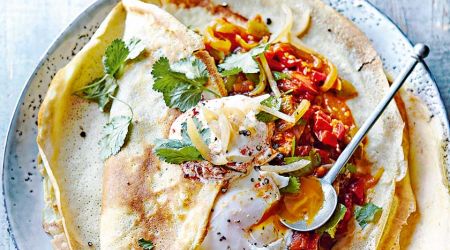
(330, 201)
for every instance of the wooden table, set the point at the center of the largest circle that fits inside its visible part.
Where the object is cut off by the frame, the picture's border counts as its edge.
(27, 28)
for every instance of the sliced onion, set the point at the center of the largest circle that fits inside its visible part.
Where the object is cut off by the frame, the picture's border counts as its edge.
(331, 78)
(301, 110)
(272, 82)
(286, 30)
(197, 140)
(277, 113)
(305, 23)
(225, 132)
(281, 169)
(280, 181)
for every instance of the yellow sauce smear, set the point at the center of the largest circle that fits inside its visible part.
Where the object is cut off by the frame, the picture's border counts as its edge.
(305, 204)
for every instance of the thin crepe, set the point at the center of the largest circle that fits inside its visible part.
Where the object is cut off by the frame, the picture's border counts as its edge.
(132, 202)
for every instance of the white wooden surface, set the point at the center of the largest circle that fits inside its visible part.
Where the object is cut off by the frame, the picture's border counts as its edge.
(27, 28)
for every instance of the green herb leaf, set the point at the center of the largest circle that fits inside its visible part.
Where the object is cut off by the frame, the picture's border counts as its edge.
(243, 62)
(115, 56)
(331, 225)
(146, 244)
(99, 91)
(280, 75)
(204, 132)
(271, 102)
(349, 167)
(192, 68)
(293, 147)
(176, 151)
(114, 134)
(293, 186)
(135, 47)
(181, 84)
(367, 213)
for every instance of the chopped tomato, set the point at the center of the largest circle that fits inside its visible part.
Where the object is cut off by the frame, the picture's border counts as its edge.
(304, 241)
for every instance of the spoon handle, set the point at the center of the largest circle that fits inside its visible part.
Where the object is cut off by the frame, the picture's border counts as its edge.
(420, 52)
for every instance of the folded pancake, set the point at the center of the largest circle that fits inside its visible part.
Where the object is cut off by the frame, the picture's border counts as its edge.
(142, 196)
(348, 48)
(71, 127)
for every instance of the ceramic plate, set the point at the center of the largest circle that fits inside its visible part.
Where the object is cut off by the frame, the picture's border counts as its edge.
(22, 183)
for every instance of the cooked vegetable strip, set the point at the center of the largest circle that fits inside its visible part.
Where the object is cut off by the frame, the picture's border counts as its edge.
(197, 140)
(272, 82)
(331, 77)
(305, 23)
(301, 110)
(281, 169)
(286, 30)
(277, 113)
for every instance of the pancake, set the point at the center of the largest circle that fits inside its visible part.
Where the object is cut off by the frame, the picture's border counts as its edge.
(134, 196)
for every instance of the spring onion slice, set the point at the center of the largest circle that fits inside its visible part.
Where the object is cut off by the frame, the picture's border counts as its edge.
(272, 82)
(281, 169)
(277, 113)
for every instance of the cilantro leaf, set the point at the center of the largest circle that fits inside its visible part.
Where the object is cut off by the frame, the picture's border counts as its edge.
(99, 91)
(115, 55)
(181, 84)
(176, 151)
(135, 47)
(280, 75)
(192, 68)
(293, 186)
(331, 225)
(271, 102)
(349, 167)
(114, 134)
(243, 62)
(184, 97)
(367, 213)
(146, 244)
(102, 89)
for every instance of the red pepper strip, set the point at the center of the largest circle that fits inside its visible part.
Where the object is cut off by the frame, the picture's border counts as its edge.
(318, 77)
(304, 241)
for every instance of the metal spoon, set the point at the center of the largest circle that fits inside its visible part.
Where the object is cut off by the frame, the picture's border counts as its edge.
(330, 197)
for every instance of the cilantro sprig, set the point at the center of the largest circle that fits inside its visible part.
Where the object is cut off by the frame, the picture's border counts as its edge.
(146, 244)
(367, 213)
(292, 187)
(181, 83)
(243, 62)
(179, 151)
(331, 225)
(117, 54)
(114, 134)
(103, 91)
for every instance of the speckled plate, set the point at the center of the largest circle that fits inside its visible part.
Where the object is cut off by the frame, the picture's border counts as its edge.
(22, 183)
